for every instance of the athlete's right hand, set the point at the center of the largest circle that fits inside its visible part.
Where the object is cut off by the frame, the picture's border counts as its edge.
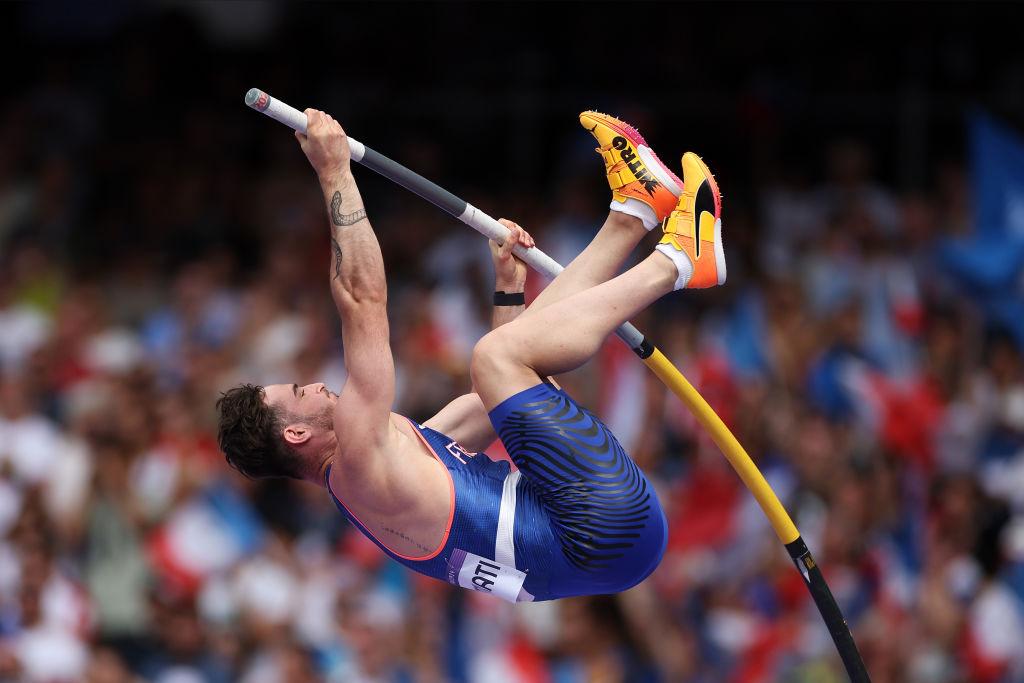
(509, 272)
(325, 144)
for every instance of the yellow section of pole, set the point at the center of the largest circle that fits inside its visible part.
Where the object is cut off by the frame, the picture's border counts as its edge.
(734, 452)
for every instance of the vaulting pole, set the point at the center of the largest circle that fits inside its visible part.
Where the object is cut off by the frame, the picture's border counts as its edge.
(643, 348)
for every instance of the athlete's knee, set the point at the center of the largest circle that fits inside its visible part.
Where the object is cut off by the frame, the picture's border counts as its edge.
(495, 352)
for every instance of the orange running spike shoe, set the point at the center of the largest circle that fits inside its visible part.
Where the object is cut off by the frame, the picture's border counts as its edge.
(695, 226)
(634, 170)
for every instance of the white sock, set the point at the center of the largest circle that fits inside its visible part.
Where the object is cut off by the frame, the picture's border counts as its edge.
(684, 266)
(637, 209)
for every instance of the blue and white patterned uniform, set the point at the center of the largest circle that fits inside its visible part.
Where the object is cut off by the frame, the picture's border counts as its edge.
(577, 518)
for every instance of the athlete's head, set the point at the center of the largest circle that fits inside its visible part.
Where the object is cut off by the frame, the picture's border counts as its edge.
(281, 430)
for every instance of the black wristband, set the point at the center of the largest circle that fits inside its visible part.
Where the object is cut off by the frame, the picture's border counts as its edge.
(509, 299)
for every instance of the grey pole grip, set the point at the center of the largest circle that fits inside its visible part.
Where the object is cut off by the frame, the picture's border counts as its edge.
(291, 117)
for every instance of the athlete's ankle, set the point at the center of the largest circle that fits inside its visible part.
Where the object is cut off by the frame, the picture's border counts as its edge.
(680, 261)
(636, 209)
(626, 222)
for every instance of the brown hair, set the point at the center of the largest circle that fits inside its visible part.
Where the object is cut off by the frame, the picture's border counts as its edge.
(249, 433)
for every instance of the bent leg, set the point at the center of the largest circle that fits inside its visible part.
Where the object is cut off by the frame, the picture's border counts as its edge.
(566, 333)
(644, 192)
(597, 263)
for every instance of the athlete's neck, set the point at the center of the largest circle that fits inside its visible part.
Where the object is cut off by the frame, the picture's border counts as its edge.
(323, 461)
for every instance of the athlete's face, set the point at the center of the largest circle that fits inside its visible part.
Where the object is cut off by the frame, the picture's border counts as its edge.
(312, 404)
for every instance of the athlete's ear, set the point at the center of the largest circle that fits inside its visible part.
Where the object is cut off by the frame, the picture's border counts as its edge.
(297, 434)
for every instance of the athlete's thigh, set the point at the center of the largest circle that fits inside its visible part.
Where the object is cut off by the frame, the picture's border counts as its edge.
(606, 516)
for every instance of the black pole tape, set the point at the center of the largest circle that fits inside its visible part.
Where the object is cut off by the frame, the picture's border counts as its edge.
(645, 349)
(833, 617)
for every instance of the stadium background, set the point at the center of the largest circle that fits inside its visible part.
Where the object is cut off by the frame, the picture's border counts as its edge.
(160, 242)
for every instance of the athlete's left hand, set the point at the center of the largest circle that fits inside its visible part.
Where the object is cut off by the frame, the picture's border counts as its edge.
(325, 145)
(509, 272)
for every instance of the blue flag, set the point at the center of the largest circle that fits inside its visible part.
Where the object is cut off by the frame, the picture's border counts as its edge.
(997, 168)
(991, 260)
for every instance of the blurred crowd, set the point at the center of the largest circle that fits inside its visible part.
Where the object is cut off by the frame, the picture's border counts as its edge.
(144, 272)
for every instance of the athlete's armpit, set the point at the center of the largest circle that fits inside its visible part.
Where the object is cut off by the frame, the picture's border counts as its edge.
(465, 420)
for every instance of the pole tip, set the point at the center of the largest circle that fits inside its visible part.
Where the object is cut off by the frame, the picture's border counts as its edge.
(257, 99)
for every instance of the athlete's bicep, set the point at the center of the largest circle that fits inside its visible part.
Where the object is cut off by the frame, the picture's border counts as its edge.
(465, 420)
(365, 402)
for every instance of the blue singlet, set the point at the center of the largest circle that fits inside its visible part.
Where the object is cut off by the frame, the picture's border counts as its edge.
(578, 517)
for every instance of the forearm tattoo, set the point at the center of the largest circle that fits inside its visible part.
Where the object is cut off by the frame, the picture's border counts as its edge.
(337, 258)
(344, 219)
(403, 536)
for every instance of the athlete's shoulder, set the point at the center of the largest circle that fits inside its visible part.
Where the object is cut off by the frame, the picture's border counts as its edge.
(358, 457)
(392, 477)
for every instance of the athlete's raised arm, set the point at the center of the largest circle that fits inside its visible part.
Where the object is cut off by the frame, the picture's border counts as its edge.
(358, 287)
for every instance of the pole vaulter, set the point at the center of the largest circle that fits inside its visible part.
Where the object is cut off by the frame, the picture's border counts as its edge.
(655, 360)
